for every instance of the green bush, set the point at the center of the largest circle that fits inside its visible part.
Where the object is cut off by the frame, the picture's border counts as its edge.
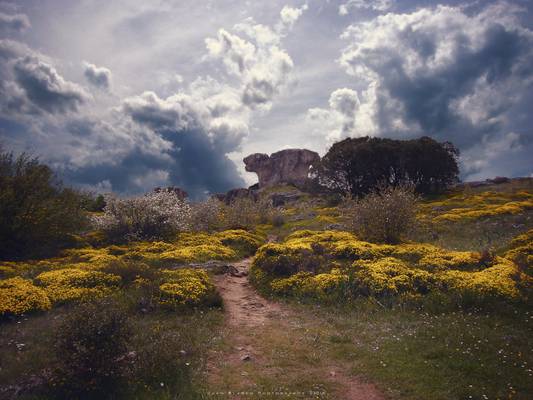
(37, 214)
(383, 215)
(161, 358)
(93, 202)
(92, 350)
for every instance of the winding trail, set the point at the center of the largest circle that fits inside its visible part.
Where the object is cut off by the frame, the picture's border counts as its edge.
(249, 317)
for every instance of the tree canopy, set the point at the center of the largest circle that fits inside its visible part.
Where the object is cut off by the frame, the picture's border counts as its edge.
(357, 165)
(37, 214)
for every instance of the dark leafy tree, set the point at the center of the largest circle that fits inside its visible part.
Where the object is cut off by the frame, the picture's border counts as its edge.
(92, 202)
(37, 214)
(357, 165)
(429, 165)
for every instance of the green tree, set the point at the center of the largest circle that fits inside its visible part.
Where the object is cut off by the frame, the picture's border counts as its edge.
(356, 165)
(37, 214)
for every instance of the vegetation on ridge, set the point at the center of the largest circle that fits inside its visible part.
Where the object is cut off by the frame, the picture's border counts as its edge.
(129, 308)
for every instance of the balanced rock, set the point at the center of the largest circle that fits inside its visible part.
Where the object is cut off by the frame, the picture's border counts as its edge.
(283, 167)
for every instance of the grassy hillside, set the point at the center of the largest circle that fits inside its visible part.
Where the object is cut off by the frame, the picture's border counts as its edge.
(446, 314)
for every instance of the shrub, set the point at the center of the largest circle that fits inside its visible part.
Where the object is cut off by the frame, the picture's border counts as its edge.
(92, 202)
(498, 282)
(207, 215)
(154, 215)
(7, 271)
(390, 276)
(521, 252)
(336, 266)
(241, 213)
(198, 253)
(466, 206)
(325, 287)
(91, 346)
(129, 271)
(160, 359)
(187, 287)
(71, 284)
(244, 242)
(385, 214)
(20, 296)
(280, 260)
(37, 214)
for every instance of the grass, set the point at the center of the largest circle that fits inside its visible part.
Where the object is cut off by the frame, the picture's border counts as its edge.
(409, 352)
(159, 338)
(282, 361)
(413, 354)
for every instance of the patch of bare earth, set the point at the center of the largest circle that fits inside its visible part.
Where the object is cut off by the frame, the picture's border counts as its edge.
(266, 351)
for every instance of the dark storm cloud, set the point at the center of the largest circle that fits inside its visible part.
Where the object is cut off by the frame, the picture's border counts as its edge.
(200, 166)
(98, 76)
(122, 176)
(194, 165)
(169, 135)
(199, 163)
(427, 98)
(446, 73)
(45, 88)
(428, 68)
(13, 23)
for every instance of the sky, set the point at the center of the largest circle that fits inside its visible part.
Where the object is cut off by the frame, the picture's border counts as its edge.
(128, 95)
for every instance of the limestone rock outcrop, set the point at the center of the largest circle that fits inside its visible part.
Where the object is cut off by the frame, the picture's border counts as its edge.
(289, 166)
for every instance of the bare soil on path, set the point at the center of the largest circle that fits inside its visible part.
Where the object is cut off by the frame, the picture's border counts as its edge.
(265, 351)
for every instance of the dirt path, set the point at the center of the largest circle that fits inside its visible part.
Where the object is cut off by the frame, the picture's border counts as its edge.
(254, 325)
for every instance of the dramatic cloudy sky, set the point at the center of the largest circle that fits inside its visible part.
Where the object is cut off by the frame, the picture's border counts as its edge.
(126, 95)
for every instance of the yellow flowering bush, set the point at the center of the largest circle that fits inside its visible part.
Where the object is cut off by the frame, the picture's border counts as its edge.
(19, 296)
(186, 287)
(496, 282)
(195, 247)
(444, 260)
(242, 241)
(521, 252)
(70, 284)
(344, 245)
(322, 286)
(465, 207)
(158, 247)
(27, 269)
(199, 253)
(292, 284)
(84, 254)
(81, 273)
(327, 264)
(390, 276)
(7, 271)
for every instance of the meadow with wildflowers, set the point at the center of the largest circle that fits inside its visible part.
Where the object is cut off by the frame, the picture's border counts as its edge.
(419, 317)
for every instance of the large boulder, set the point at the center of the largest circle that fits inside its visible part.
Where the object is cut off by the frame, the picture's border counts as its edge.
(283, 167)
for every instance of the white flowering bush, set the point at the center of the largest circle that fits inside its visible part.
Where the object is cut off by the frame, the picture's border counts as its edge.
(241, 213)
(155, 215)
(207, 215)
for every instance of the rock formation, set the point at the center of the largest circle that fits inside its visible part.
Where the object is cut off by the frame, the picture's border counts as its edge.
(182, 194)
(286, 166)
(231, 195)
